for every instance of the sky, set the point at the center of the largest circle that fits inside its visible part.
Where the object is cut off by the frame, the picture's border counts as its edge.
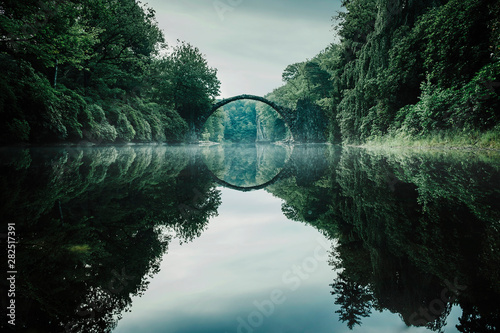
(249, 42)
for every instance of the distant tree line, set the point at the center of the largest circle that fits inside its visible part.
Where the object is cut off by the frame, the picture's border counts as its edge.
(245, 121)
(97, 71)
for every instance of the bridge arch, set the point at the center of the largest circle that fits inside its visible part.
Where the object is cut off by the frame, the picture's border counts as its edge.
(287, 114)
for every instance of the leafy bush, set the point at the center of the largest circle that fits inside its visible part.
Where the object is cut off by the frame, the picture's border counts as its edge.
(470, 107)
(175, 127)
(98, 129)
(73, 110)
(97, 113)
(18, 129)
(124, 129)
(105, 132)
(28, 104)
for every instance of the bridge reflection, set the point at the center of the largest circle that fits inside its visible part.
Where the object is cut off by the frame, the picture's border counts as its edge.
(283, 174)
(255, 167)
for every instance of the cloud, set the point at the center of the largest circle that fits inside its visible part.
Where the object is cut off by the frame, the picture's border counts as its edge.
(249, 42)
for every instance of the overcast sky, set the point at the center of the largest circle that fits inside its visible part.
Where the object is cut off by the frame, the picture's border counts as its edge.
(250, 42)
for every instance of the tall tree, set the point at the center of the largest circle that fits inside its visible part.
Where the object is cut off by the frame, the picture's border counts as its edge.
(186, 83)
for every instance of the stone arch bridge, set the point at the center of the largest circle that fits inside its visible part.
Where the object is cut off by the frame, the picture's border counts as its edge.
(288, 115)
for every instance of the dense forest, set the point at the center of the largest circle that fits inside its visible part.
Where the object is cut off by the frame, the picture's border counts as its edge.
(402, 71)
(97, 71)
(406, 71)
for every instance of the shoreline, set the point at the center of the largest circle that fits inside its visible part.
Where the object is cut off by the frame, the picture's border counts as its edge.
(424, 147)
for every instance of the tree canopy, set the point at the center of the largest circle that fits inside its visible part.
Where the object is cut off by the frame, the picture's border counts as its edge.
(404, 69)
(96, 71)
(100, 71)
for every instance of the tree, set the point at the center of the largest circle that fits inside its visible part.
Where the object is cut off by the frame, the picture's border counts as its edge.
(46, 33)
(186, 83)
(85, 71)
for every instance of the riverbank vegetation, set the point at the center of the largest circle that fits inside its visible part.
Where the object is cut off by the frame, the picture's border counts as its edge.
(95, 71)
(402, 73)
(406, 73)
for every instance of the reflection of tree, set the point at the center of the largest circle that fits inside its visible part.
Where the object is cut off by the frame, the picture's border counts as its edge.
(480, 319)
(92, 228)
(306, 193)
(197, 201)
(404, 224)
(354, 300)
(93, 222)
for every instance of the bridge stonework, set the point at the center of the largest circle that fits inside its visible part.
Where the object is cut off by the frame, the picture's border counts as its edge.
(288, 115)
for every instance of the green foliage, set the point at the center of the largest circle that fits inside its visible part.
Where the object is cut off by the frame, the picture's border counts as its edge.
(46, 32)
(18, 129)
(456, 41)
(468, 107)
(270, 126)
(186, 83)
(240, 121)
(309, 91)
(175, 127)
(214, 128)
(96, 112)
(356, 23)
(245, 121)
(124, 129)
(402, 68)
(89, 70)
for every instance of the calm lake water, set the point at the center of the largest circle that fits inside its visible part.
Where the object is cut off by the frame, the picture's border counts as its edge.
(251, 238)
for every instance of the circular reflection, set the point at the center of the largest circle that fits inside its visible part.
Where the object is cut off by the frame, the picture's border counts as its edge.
(246, 167)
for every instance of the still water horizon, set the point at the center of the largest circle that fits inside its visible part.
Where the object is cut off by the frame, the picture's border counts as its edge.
(254, 238)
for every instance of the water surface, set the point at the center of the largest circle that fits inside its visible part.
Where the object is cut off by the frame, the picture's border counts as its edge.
(266, 238)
